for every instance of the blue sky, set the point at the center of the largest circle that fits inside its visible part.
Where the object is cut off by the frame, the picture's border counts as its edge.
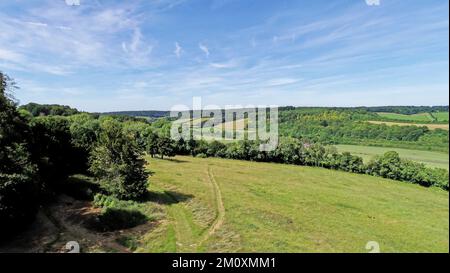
(106, 55)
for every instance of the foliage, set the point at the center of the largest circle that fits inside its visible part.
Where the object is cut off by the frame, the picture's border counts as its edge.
(297, 152)
(390, 165)
(117, 162)
(116, 214)
(48, 109)
(52, 150)
(351, 127)
(18, 187)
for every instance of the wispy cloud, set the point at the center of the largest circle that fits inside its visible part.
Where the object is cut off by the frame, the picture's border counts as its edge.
(229, 64)
(178, 50)
(204, 48)
(152, 54)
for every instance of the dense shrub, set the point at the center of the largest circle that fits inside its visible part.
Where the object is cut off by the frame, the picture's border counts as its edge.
(114, 219)
(116, 214)
(201, 155)
(390, 165)
(18, 202)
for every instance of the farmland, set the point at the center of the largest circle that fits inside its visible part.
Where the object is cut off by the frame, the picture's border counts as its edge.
(441, 116)
(421, 117)
(429, 158)
(236, 206)
(430, 126)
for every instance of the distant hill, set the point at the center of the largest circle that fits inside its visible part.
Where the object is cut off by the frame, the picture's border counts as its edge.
(145, 114)
(49, 109)
(406, 110)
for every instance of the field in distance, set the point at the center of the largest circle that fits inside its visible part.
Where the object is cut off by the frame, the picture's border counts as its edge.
(420, 117)
(429, 125)
(219, 205)
(429, 158)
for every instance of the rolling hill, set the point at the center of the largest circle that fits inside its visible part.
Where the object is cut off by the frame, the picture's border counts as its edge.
(235, 206)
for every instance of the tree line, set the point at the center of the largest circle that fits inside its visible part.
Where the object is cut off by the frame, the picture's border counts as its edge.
(48, 109)
(305, 153)
(38, 154)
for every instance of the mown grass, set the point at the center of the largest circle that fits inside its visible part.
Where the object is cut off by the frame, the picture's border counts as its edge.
(421, 117)
(430, 126)
(441, 116)
(429, 158)
(285, 208)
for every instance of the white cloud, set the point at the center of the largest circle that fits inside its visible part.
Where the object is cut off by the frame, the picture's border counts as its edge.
(178, 50)
(229, 64)
(282, 81)
(8, 55)
(204, 48)
(37, 24)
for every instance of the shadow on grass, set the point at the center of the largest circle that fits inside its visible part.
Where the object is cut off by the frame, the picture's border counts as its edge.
(81, 187)
(113, 219)
(167, 197)
(175, 160)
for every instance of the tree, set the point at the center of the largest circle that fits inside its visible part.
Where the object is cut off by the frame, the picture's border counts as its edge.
(152, 144)
(52, 150)
(166, 147)
(117, 162)
(388, 165)
(83, 130)
(18, 189)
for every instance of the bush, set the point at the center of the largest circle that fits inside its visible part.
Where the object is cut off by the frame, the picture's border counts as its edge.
(18, 202)
(114, 219)
(116, 214)
(201, 155)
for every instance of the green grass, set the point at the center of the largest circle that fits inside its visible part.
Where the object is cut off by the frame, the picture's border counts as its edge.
(285, 208)
(441, 116)
(432, 159)
(421, 117)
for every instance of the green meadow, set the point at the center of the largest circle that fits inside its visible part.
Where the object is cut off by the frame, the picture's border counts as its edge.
(219, 205)
(441, 116)
(429, 158)
(421, 117)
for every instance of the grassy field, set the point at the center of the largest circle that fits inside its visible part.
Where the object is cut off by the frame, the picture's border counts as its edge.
(415, 117)
(430, 126)
(441, 116)
(236, 206)
(432, 159)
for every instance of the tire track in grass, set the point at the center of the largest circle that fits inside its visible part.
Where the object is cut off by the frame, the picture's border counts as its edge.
(183, 232)
(220, 209)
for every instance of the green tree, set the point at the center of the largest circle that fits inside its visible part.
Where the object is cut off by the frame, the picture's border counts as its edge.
(166, 147)
(152, 144)
(117, 162)
(18, 187)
